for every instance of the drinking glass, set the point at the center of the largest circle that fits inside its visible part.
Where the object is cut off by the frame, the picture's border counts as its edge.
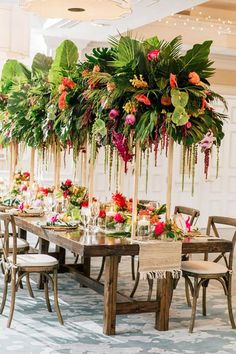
(95, 209)
(85, 217)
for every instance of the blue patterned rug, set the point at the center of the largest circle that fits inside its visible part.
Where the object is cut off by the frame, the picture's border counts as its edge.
(34, 330)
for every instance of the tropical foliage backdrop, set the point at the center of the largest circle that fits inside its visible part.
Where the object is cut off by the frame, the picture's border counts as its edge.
(134, 92)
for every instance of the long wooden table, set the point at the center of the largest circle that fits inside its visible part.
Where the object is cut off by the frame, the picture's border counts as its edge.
(91, 245)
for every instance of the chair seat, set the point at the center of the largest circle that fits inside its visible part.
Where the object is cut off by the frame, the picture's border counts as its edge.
(35, 260)
(21, 244)
(203, 267)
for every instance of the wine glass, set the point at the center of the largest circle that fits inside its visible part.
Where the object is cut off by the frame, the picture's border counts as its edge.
(85, 216)
(95, 209)
(48, 203)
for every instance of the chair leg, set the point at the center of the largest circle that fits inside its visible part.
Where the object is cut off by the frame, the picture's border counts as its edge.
(4, 295)
(47, 295)
(135, 285)
(133, 267)
(13, 297)
(203, 300)
(187, 294)
(194, 305)
(76, 259)
(27, 278)
(150, 288)
(55, 291)
(229, 300)
(101, 269)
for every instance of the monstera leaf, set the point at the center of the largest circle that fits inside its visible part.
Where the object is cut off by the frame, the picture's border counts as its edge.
(15, 72)
(41, 65)
(64, 62)
(179, 116)
(179, 98)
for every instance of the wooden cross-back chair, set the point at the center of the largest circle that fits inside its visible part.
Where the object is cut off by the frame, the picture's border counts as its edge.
(203, 271)
(17, 266)
(194, 215)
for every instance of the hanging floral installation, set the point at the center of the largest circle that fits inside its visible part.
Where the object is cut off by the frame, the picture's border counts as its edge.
(135, 92)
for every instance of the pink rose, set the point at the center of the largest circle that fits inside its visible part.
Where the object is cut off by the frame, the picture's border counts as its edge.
(24, 187)
(188, 125)
(119, 218)
(130, 119)
(159, 228)
(153, 55)
(113, 113)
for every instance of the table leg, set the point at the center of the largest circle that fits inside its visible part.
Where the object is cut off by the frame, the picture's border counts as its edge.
(86, 261)
(110, 289)
(164, 291)
(22, 233)
(43, 248)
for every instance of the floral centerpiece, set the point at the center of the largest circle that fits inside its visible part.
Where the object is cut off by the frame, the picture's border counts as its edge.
(168, 230)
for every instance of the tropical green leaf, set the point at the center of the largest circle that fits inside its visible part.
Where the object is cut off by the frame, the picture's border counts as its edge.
(64, 62)
(99, 127)
(15, 72)
(196, 59)
(179, 116)
(179, 98)
(41, 64)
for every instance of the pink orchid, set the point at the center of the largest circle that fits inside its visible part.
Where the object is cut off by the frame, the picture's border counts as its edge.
(130, 119)
(54, 218)
(21, 206)
(207, 142)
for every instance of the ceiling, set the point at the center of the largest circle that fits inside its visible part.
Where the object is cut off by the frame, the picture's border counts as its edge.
(142, 12)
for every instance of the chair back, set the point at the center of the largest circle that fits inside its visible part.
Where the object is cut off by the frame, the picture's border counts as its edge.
(8, 220)
(222, 221)
(193, 213)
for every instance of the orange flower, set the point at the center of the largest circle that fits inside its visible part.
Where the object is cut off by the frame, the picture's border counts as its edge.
(166, 100)
(68, 83)
(85, 73)
(96, 68)
(62, 104)
(154, 220)
(193, 78)
(173, 81)
(144, 99)
(61, 88)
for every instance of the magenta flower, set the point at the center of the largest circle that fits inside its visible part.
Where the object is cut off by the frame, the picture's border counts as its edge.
(21, 207)
(207, 142)
(54, 218)
(24, 187)
(153, 55)
(121, 144)
(119, 218)
(130, 119)
(113, 113)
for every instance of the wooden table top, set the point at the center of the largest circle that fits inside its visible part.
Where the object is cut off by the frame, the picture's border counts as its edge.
(100, 244)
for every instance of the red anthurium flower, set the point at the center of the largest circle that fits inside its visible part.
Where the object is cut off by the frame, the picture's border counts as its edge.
(159, 228)
(144, 99)
(153, 55)
(62, 104)
(173, 81)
